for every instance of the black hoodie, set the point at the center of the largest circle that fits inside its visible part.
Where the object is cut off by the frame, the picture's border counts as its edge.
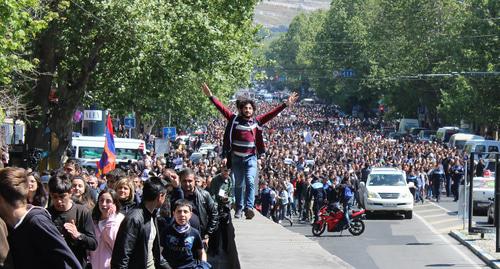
(36, 243)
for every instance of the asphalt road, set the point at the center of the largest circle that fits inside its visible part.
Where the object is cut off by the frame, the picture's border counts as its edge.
(390, 241)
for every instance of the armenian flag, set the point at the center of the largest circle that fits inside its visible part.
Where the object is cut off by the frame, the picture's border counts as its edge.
(108, 158)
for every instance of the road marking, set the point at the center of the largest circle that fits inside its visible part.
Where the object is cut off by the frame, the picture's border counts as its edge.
(442, 221)
(447, 241)
(428, 210)
(448, 211)
(422, 205)
(434, 216)
(449, 229)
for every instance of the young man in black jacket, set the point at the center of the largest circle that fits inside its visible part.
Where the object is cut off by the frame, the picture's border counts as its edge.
(34, 240)
(137, 243)
(72, 220)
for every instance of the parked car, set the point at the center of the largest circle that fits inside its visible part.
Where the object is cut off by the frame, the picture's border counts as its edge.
(481, 145)
(426, 136)
(483, 193)
(416, 130)
(443, 134)
(386, 190)
(458, 140)
(491, 213)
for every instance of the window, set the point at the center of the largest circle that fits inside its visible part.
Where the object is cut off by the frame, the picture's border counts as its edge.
(459, 144)
(121, 154)
(386, 180)
(128, 154)
(90, 152)
(480, 148)
(468, 148)
(492, 149)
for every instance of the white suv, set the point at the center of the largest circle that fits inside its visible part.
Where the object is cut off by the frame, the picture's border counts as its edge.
(386, 191)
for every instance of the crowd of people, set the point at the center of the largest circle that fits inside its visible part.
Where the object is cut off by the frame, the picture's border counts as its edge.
(173, 211)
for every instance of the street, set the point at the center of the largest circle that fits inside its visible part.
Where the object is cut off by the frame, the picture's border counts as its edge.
(390, 241)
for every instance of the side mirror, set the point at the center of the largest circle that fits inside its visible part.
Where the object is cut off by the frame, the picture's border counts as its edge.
(362, 184)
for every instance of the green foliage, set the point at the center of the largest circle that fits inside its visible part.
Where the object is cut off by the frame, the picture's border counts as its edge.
(158, 65)
(389, 44)
(21, 21)
(292, 51)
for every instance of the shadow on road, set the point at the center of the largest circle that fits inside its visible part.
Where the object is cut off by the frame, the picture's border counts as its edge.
(384, 216)
(330, 235)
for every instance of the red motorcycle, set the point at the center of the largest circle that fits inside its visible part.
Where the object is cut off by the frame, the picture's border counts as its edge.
(336, 222)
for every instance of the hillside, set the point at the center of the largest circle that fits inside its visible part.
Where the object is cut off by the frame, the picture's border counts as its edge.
(277, 14)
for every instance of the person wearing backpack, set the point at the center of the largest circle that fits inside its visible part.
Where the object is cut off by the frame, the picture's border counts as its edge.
(346, 194)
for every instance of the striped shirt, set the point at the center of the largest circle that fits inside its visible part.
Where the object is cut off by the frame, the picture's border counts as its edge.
(245, 134)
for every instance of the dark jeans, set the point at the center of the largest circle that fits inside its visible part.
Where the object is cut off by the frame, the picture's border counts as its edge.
(448, 185)
(316, 207)
(454, 188)
(265, 209)
(220, 239)
(436, 190)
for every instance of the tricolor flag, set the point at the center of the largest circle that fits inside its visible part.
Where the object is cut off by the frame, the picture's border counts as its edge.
(108, 158)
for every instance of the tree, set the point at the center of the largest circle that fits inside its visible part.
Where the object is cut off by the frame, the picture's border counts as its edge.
(473, 96)
(21, 21)
(292, 52)
(136, 56)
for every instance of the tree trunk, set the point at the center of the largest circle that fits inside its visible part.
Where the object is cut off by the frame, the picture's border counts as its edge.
(45, 50)
(55, 120)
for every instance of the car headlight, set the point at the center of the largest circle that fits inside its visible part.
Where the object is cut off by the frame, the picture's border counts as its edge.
(372, 194)
(406, 195)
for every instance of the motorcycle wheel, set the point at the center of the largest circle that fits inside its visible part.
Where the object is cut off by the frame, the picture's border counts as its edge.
(357, 227)
(318, 229)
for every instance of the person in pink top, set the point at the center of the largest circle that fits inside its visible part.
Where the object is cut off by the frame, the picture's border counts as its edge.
(107, 220)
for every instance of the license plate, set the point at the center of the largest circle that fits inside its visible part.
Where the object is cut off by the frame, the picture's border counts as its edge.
(389, 205)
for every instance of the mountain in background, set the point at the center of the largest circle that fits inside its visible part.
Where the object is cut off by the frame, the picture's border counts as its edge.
(277, 14)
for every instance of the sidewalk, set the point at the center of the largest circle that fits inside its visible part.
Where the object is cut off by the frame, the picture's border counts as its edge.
(483, 248)
(262, 243)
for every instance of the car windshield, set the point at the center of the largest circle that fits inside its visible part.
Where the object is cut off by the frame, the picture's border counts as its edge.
(460, 144)
(386, 180)
(121, 154)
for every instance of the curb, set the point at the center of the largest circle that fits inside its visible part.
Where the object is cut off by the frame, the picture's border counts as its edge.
(480, 253)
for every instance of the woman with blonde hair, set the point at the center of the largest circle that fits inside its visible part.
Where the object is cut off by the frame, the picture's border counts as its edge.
(126, 193)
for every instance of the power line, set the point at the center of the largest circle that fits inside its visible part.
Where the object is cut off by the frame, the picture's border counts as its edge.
(431, 76)
(391, 41)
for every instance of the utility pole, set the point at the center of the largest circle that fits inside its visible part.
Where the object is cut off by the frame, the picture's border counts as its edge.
(169, 118)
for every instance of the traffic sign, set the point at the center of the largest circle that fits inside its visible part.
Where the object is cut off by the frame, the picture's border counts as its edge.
(169, 132)
(347, 73)
(129, 123)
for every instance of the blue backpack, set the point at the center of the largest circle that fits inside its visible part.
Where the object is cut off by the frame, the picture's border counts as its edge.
(347, 194)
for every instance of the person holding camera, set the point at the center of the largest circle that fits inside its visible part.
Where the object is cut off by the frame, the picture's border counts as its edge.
(222, 191)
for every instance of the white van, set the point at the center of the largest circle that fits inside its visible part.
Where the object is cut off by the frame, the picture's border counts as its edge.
(88, 149)
(458, 140)
(481, 145)
(443, 134)
(406, 124)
